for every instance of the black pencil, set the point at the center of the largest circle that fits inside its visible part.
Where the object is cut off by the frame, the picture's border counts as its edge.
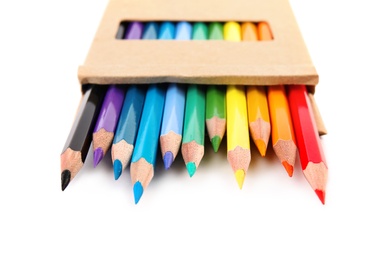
(80, 137)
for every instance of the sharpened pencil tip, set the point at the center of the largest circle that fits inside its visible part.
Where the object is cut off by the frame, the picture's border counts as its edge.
(97, 156)
(261, 146)
(321, 195)
(138, 190)
(65, 179)
(117, 169)
(240, 176)
(191, 168)
(289, 168)
(168, 160)
(215, 142)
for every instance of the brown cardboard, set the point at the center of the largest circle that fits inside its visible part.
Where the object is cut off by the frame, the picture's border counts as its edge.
(285, 60)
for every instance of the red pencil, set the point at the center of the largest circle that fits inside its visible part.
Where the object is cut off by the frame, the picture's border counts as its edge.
(308, 140)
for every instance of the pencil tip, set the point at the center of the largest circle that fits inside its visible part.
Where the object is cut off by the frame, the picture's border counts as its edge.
(97, 156)
(65, 179)
(117, 169)
(168, 160)
(138, 190)
(261, 146)
(240, 176)
(321, 195)
(215, 142)
(289, 168)
(191, 168)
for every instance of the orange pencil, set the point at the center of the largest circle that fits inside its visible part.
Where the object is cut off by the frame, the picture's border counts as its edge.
(264, 32)
(311, 155)
(283, 138)
(258, 114)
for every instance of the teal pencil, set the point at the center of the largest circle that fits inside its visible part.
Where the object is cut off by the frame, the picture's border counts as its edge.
(192, 147)
(126, 132)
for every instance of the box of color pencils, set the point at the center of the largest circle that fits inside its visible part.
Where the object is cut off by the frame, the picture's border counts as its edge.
(283, 59)
(235, 66)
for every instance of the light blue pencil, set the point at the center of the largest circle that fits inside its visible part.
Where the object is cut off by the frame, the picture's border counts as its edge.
(172, 124)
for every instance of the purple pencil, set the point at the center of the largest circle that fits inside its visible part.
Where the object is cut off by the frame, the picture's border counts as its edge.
(103, 134)
(105, 127)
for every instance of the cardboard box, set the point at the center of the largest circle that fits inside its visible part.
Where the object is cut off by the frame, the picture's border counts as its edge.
(284, 60)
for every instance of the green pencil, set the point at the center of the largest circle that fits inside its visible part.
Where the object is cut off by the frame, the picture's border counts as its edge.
(192, 147)
(215, 99)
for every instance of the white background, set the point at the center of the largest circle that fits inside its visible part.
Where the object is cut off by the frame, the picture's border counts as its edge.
(273, 217)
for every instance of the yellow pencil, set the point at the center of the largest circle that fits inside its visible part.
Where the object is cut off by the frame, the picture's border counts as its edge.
(238, 142)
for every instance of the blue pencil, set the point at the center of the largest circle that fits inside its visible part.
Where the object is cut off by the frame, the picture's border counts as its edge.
(146, 145)
(126, 132)
(166, 31)
(150, 31)
(172, 124)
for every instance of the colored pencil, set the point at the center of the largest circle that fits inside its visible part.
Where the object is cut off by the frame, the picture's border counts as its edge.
(109, 115)
(172, 123)
(150, 31)
(238, 141)
(121, 31)
(216, 31)
(134, 31)
(123, 142)
(166, 31)
(105, 127)
(79, 139)
(311, 155)
(126, 132)
(146, 146)
(282, 131)
(258, 114)
(192, 146)
(215, 99)
(264, 31)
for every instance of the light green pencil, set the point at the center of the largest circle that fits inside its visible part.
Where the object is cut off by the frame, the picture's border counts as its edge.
(215, 99)
(192, 147)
